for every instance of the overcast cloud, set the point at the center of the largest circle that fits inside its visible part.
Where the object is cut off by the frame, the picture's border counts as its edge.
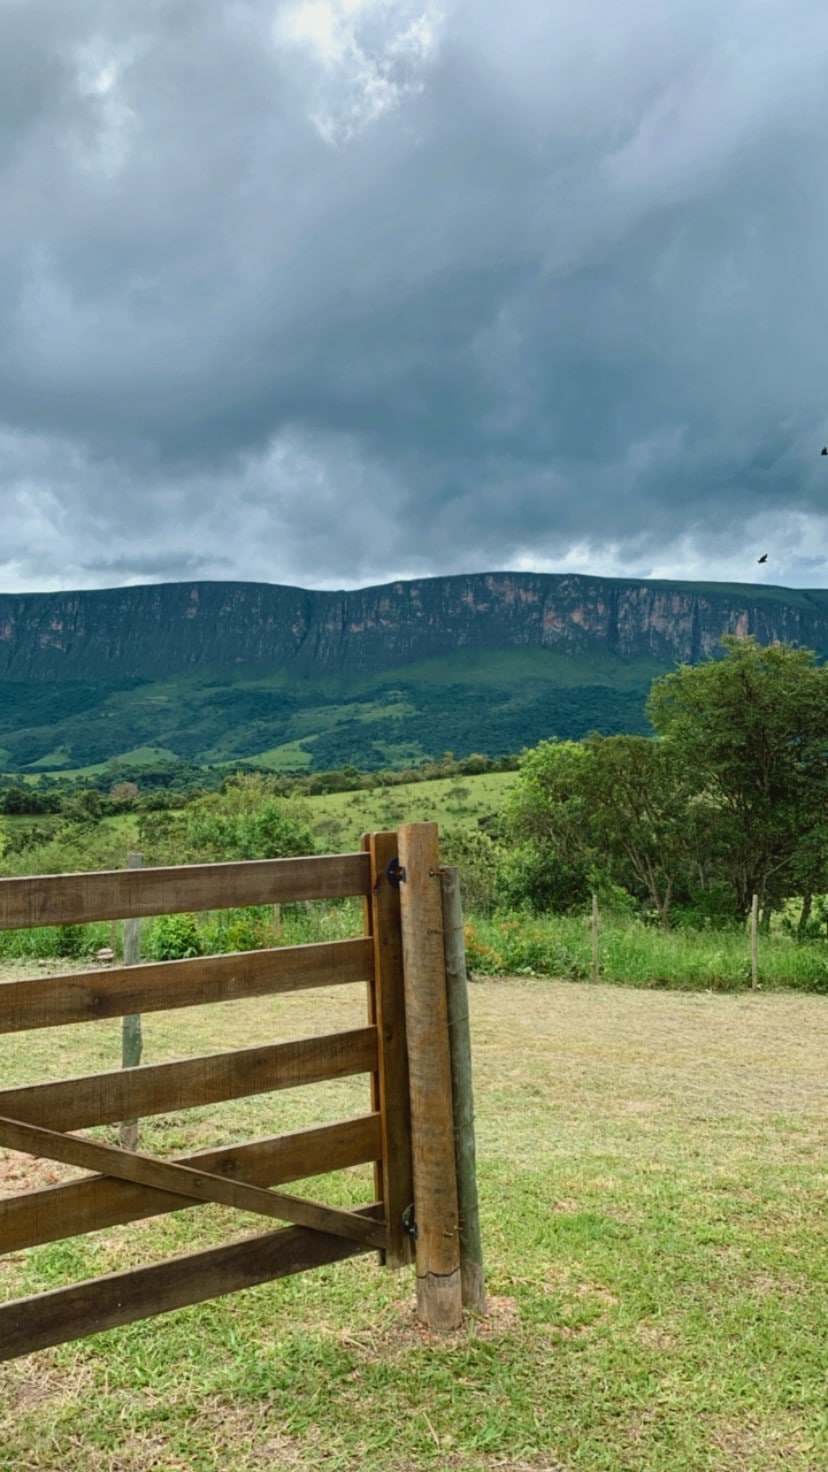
(327, 292)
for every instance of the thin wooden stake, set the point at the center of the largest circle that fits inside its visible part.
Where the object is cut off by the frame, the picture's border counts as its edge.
(472, 1275)
(436, 1214)
(595, 956)
(754, 942)
(132, 1041)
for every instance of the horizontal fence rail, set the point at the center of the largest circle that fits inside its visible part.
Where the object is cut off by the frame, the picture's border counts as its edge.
(127, 894)
(89, 996)
(87, 1205)
(28, 1324)
(158, 1088)
(125, 1185)
(186, 1181)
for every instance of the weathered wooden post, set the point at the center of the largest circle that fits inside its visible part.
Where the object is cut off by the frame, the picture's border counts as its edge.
(386, 1011)
(472, 1276)
(754, 942)
(595, 956)
(436, 1213)
(131, 1036)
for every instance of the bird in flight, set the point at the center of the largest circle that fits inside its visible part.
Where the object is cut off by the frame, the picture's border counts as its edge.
(824, 450)
(763, 558)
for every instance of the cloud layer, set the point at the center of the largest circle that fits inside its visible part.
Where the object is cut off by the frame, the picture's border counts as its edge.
(333, 291)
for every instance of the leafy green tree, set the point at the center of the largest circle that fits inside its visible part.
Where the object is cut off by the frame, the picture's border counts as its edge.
(83, 806)
(751, 731)
(614, 808)
(547, 805)
(640, 814)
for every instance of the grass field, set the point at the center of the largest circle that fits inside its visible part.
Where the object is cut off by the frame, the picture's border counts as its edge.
(653, 1196)
(340, 818)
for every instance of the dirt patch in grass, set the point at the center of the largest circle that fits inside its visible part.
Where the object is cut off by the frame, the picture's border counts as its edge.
(403, 1332)
(19, 1173)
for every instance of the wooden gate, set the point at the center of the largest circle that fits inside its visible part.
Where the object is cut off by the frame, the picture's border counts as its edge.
(391, 956)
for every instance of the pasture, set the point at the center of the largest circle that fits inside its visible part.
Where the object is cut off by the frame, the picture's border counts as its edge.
(653, 1193)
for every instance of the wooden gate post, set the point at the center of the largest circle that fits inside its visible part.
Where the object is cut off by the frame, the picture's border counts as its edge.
(436, 1214)
(386, 1011)
(472, 1275)
(132, 1041)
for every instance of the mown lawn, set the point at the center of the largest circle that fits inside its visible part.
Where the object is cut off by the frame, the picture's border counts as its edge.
(652, 1174)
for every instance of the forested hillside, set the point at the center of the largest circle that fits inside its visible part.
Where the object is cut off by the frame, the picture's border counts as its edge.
(224, 673)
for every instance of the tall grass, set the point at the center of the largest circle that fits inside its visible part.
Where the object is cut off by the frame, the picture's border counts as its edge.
(631, 953)
(635, 954)
(172, 937)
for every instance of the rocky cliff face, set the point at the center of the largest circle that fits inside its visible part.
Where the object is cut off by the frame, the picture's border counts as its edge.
(165, 629)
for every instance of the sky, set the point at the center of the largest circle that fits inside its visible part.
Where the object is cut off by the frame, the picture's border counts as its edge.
(336, 292)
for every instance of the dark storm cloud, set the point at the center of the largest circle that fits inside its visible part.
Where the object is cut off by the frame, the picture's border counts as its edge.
(331, 291)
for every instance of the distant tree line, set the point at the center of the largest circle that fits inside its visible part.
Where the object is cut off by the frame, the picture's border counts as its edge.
(168, 783)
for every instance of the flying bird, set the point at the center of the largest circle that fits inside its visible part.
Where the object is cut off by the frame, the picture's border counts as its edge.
(763, 558)
(824, 450)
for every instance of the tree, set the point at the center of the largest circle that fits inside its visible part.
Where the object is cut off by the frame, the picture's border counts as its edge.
(751, 730)
(546, 807)
(615, 807)
(640, 814)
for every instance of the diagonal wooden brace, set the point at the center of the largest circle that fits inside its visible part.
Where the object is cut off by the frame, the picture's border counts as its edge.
(185, 1180)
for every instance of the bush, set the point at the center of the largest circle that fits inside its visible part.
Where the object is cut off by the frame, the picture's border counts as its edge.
(69, 942)
(515, 947)
(72, 941)
(538, 880)
(633, 953)
(247, 928)
(173, 938)
(477, 857)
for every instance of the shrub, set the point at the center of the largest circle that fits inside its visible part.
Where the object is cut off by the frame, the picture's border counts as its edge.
(477, 857)
(173, 938)
(535, 878)
(514, 947)
(247, 928)
(72, 941)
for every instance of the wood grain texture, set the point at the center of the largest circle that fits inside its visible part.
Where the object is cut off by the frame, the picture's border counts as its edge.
(29, 1324)
(53, 1212)
(186, 1181)
(101, 1098)
(88, 996)
(472, 1277)
(132, 1036)
(121, 894)
(432, 1127)
(386, 1008)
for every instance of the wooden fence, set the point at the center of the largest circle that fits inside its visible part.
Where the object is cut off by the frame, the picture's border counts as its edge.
(407, 1129)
